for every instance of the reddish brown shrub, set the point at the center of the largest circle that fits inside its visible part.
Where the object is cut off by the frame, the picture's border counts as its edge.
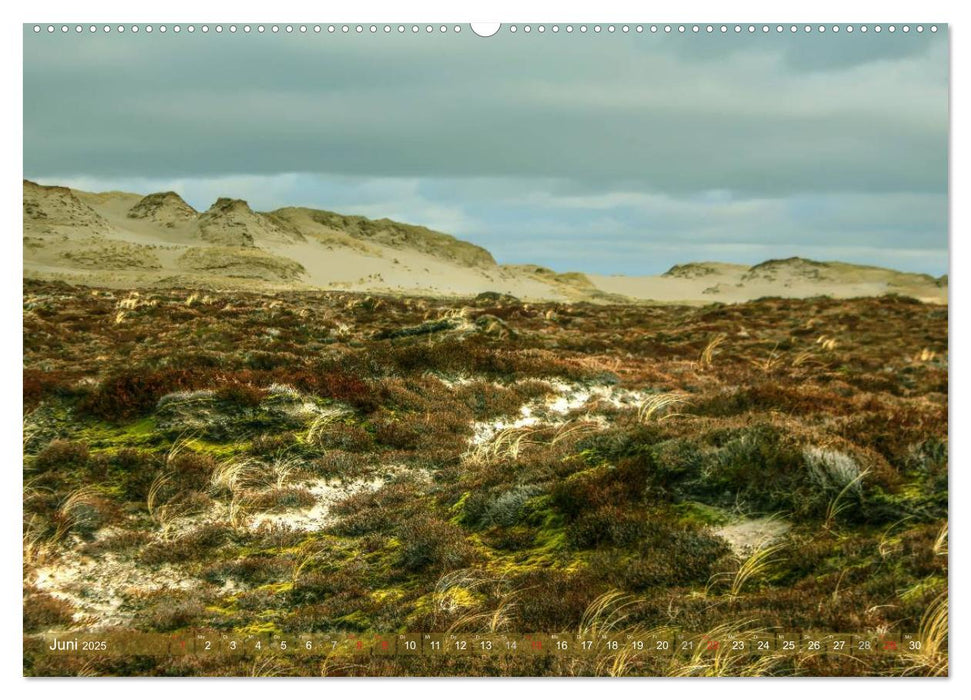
(241, 394)
(43, 611)
(63, 454)
(38, 385)
(130, 394)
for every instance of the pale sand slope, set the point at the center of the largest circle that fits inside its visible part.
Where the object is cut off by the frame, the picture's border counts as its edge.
(119, 239)
(126, 240)
(793, 277)
(405, 271)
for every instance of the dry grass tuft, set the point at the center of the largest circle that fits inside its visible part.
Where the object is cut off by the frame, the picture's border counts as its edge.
(505, 444)
(234, 474)
(928, 654)
(758, 563)
(840, 501)
(153, 503)
(606, 615)
(656, 406)
(708, 354)
(720, 660)
(318, 427)
(75, 510)
(940, 543)
(826, 342)
(769, 363)
(36, 547)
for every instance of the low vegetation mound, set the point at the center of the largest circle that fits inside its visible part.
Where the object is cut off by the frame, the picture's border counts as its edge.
(309, 462)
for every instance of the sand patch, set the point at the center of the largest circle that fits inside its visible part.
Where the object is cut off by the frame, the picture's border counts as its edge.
(327, 493)
(746, 536)
(101, 587)
(553, 410)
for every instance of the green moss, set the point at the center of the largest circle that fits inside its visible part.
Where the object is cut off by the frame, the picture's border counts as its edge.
(221, 611)
(549, 549)
(696, 513)
(455, 599)
(921, 589)
(356, 620)
(457, 510)
(388, 595)
(111, 436)
(220, 450)
(262, 627)
(102, 437)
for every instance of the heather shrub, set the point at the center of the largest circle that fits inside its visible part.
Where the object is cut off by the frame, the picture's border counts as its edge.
(431, 544)
(317, 586)
(554, 600)
(123, 541)
(512, 539)
(39, 385)
(43, 611)
(349, 437)
(132, 393)
(669, 556)
(758, 465)
(84, 513)
(929, 457)
(241, 394)
(340, 463)
(252, 570)
(138, 469)
(192, 470)
(262, 360)
(396, 433)
(62, 454)
(169, 612)
(620, 485)
(342, 386)
(282, 499)
(271, 444)
(486, 400)
(191, 546)
(370, 512)
(609, 525)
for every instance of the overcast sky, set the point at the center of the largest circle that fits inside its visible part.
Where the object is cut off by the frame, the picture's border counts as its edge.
(606, 153)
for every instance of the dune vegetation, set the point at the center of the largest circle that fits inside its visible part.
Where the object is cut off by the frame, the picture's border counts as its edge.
(308, 462)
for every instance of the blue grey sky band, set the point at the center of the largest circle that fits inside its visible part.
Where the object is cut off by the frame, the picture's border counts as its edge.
(608, 153)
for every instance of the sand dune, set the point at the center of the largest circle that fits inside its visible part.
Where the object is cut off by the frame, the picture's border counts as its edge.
(791, 277)
(164, 208)
(120, 239)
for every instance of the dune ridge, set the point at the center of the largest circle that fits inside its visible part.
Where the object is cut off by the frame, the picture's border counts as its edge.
(127, 240)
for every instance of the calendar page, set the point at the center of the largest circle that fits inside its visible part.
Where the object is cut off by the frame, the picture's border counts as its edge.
(514, 349)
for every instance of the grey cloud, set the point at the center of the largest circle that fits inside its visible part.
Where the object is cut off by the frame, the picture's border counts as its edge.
(594, 110)
(620, 153)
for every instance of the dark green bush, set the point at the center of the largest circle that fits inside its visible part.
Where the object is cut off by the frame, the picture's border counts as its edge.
(760, 466)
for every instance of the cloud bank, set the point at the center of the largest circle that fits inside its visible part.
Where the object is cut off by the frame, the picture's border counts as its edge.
(607, 153)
